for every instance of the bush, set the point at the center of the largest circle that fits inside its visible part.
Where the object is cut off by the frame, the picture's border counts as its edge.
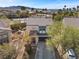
(18, 26)
(7, 52)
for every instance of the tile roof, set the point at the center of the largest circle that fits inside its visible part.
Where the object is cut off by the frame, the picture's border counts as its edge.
(39, 21)
(71, 22)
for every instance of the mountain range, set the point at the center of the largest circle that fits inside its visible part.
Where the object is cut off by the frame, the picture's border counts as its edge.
(29, 8)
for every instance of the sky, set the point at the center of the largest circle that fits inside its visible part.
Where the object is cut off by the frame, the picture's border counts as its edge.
(50, 4)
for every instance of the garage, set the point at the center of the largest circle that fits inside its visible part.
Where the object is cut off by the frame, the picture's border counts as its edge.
(42, 39)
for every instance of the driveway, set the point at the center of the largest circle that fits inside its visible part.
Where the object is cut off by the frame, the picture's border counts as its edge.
(44, 51)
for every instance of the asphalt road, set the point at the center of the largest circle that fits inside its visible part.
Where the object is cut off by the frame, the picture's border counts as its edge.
(44, 51)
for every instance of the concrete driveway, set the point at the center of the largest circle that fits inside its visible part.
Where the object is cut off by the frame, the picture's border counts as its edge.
(44, 51)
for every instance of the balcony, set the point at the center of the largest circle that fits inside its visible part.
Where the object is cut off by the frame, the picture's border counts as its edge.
(41, 33)
(33, 33)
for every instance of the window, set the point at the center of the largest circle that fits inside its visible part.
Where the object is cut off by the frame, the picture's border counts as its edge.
(5, 36)
(33, 32)
(42, 29)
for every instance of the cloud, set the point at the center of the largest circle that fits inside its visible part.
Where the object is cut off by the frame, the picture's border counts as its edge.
(56, 6)
(6, 1)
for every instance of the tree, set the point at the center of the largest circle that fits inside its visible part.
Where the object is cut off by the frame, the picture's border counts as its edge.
(26, 37)
(55, 31)
(3, 17)
(24, 14)
(18, 26)
(64, 9)
(23, 45)
(66, 37)
(75, 14)
(23, 8)
(53, 15)
(64, 6)
(60, 11)
(74, 9)
(70, 39)
(32, 9)
(7, 52)
(58, 17)
(70, 13)
(37, 11)
(18, 13)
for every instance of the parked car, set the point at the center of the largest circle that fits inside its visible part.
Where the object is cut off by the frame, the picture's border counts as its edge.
(71, 54)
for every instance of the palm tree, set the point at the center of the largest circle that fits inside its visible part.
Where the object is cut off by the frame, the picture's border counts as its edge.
(60, 11)
(74, 9)
(64, 6)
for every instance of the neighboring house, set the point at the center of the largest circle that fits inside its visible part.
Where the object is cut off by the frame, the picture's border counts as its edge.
(37, 27)
(4, 32)
(72, 21)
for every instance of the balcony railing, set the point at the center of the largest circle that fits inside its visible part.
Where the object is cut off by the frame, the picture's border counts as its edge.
(35, 33)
